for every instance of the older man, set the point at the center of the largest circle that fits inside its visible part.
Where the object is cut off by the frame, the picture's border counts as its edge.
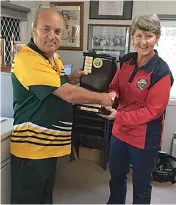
(42, 111)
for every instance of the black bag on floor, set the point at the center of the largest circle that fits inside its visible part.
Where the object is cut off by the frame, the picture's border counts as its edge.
(165, 168)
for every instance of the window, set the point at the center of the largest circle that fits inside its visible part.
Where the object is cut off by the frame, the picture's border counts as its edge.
(10, 30)
(167, 50)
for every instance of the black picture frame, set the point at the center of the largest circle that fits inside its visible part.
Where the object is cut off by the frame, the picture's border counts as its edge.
(127, 11)
(109, 39)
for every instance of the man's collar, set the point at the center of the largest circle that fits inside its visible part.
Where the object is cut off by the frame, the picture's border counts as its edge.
(34, 47)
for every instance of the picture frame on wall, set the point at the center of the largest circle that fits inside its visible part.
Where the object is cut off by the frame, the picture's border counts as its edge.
(109, 39)
(111, 10)
(73, 16)
(2, 51)
(17, 46)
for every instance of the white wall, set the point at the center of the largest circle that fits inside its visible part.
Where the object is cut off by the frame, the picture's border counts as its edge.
(169, 127)
(6, 106)
(76, 57)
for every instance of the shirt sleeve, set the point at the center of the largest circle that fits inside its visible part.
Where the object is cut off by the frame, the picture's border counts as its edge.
(156, 104)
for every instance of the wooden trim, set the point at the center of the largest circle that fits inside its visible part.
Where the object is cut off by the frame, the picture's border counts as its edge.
(5, 68)
(2, 51)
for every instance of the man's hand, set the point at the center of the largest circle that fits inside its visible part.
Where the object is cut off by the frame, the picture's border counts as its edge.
(106, 99)
(112, 116)
(74, 78)
(113, 95)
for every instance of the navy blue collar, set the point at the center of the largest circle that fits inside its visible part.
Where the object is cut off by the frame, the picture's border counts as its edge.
(149, 66)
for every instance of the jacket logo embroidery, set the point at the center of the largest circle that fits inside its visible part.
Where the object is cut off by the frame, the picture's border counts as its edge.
(142, 84)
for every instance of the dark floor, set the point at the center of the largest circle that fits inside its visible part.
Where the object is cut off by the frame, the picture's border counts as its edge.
(85, 182)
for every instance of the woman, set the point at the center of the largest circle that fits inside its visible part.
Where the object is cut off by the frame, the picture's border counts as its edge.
(68, 31)
(142, 84)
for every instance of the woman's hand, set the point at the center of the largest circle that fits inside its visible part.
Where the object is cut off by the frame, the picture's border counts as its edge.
(74, 78)
(112, 116)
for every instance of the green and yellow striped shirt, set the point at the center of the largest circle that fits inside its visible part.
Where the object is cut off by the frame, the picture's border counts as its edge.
(42, 121)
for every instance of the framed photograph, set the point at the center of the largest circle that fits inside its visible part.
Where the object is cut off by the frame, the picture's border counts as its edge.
(73, 16)
(17, 46)
(2, 42)
(110, 39)
(111, 10)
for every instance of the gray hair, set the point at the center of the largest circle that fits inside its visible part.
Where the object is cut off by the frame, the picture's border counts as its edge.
(149, 22)
(40, 10)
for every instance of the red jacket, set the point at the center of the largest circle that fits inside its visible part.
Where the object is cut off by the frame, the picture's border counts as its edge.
(143, 97)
